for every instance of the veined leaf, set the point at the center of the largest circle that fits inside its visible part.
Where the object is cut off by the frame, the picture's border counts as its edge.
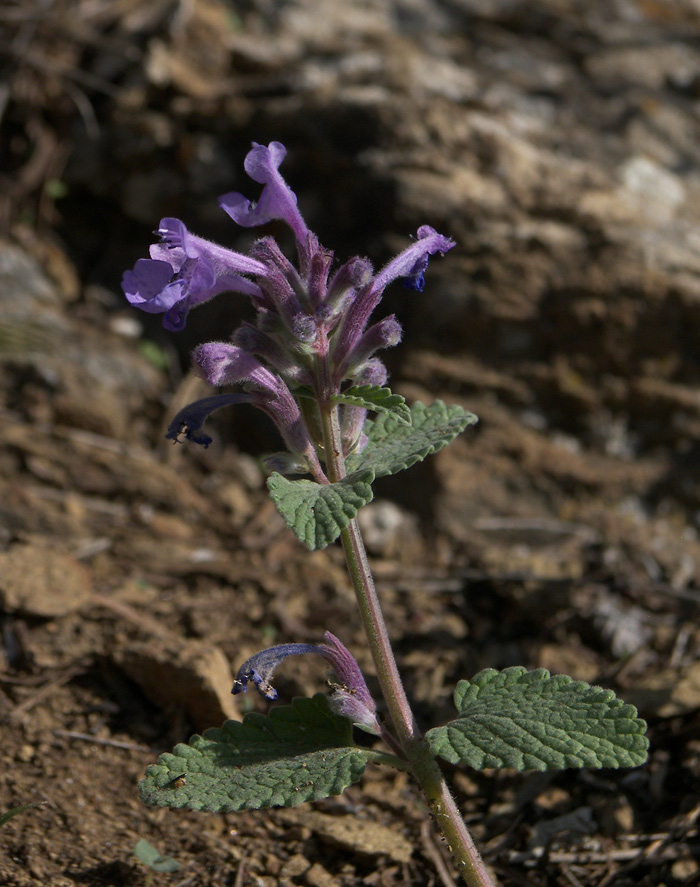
(302, 752)
(393, 445)
(530, 720)
(318, 512)
(379, 400)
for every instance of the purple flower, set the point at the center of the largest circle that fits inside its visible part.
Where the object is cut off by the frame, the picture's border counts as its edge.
(310, 336)
(185, 271)
(350, 697)
(277, 200)
(224, 364)
(259, 668)
(410, 265)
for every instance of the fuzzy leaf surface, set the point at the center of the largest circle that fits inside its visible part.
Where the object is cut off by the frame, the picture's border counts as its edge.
(530, 720)
(317, 513)
(148, 855)
(296, 753)
(394, 446)
(379, 400)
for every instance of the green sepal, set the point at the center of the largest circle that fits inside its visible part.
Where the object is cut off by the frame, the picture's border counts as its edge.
(317, 513)
(379, 400)
(393, 446)
(530, 720)
(296, 753)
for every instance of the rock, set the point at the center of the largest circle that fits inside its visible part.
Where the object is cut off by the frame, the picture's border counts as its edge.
(187, 675)
(37, 581)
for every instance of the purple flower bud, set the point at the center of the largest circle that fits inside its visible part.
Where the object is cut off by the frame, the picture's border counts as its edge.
(371, 373)
(277, 200)
(385, 334)
(268, 348)
(223, 364)
(350, 698)
(317, 275)
(282, 287)
(352, 421)
(305, 329)
(284, 463)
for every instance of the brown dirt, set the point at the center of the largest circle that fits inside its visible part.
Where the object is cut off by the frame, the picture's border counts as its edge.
(558, 143)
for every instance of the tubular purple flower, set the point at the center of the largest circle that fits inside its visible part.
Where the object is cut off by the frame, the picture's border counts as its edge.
(350, 698)
(190, 419)
(410, 264)
(277, 200)
(260, 668)
(223, 364)
(283, 286)
(185, 271)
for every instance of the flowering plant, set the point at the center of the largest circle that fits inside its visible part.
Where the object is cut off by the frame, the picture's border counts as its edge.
(310, 363)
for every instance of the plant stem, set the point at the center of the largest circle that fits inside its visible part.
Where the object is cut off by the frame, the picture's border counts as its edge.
(415, 749)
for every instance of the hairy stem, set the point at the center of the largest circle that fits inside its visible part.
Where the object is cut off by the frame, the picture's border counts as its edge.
(414, 748)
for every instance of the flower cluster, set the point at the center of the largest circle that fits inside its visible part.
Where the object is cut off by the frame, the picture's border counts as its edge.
(311, 337)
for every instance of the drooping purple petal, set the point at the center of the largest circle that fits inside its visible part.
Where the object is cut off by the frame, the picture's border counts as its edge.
(277, 200)
(148, 286)
(260, 668)
(190, 419)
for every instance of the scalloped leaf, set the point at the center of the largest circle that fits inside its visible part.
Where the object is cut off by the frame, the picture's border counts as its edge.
(317, 513)
(394, 446)
(296, 753)
(530, 720)
(379, 400)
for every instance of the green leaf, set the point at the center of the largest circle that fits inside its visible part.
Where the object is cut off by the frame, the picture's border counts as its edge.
(297, 753)
(379, 400)
(148, 855)
(6, 817)
(318, 512)
(530, 720)
(393, 446)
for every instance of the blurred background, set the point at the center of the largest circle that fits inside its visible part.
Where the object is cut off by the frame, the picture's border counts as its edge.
(557, 142)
